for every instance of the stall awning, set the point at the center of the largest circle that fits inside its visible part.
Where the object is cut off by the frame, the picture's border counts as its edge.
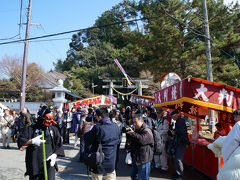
(193, 96)
(142, 100)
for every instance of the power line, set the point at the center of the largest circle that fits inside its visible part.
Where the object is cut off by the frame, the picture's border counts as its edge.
(46, 40)
(195, 31)
(53, 45)
(84, 29)
(19, 30)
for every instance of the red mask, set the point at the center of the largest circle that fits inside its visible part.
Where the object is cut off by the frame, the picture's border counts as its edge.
(48, 120)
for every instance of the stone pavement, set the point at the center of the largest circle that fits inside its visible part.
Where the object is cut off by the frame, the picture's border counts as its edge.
(12, 166)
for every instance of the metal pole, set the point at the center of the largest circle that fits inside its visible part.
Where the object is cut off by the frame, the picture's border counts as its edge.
(140, 88)
(110, 88)
(93, 88)
(208, 57)
(25, 55)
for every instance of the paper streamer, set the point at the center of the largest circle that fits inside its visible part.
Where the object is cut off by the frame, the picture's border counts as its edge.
(129, 79)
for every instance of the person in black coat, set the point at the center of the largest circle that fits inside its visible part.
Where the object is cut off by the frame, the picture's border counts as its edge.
(180, 132)
(110, 137)
(30, 139)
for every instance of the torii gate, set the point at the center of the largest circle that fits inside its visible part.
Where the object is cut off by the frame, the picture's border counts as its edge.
(139, 84)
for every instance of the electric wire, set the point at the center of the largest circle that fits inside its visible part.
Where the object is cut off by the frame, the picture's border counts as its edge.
(53, 45)
(20, 24)
(195, 31)
(78, 30)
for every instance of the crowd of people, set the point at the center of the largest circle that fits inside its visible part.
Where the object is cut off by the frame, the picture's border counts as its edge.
(151, 136)
(147, 132)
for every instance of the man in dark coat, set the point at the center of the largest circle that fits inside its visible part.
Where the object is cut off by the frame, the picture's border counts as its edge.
(180, 132)
(142, 149)
(110, 137)
(24, 120)
(30, 138)
(57, 117)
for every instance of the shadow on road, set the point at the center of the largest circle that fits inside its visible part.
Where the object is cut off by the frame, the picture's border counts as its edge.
(74, 170)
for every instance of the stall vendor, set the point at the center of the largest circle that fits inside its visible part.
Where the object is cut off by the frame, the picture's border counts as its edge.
(220, 131)
(30, 139)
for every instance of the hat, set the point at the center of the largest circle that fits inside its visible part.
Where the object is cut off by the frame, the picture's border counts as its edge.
(174, 112)
(56, 107)
(236, 112)
(158, 110)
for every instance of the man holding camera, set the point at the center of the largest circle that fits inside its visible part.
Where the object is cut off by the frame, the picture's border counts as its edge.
(6, 123)
(142, 149)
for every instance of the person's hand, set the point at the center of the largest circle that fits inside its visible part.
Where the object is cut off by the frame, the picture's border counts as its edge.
(37, 140)
(64, 120)
(52, 158)
(130, 131)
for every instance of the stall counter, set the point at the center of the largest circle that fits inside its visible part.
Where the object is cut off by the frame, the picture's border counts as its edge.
(201, 158)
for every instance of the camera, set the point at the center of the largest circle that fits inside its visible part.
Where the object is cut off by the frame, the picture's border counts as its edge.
(128, 129)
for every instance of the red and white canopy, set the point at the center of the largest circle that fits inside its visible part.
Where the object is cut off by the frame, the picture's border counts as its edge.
(193, 96)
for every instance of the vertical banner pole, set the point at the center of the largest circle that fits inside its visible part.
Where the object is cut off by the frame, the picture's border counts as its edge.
(44, 158)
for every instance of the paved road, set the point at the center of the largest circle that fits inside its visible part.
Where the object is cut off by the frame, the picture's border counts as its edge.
(12, 167)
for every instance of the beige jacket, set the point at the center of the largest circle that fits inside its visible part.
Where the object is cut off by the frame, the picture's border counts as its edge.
(6, 123)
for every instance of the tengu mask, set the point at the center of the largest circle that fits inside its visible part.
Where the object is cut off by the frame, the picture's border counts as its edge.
(48, 120)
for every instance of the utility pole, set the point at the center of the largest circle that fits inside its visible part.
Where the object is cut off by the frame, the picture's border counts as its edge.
(207, 42)
(25, 55)
(208, 60)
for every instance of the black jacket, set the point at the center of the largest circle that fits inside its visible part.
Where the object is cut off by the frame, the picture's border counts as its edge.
(142, 145)
(34, 158)
(24, 121)
(181, 131)
(110, 138)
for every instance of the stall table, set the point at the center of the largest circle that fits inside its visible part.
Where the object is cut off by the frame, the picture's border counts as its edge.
(201, 158)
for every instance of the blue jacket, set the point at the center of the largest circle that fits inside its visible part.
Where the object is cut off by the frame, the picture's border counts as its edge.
(110, 137)
(76, 116)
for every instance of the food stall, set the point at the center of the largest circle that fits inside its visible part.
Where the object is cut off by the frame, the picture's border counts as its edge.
(194, 97)
(146, 101)
(99, 100)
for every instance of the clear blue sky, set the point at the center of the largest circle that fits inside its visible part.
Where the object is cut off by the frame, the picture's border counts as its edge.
(54, 16)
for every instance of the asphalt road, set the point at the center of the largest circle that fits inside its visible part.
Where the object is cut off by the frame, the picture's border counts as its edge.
(12, 166)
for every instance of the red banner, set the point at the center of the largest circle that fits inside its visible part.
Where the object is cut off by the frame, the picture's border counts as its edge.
(201, 93)
(97, 100)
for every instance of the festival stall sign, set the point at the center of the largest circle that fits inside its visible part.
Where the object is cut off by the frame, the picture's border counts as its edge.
(100, 100)
(193, 96)
(142, 100)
